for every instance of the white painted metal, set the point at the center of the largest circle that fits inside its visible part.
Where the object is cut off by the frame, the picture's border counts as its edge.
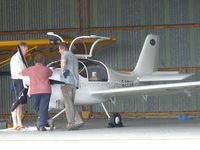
(53, 34)
(122, 84)
(105, 110)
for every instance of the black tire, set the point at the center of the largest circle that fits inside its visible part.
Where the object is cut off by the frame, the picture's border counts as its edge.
(115, 120)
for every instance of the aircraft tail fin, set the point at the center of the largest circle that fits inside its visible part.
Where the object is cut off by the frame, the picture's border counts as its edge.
(147, 66)
(149, 57)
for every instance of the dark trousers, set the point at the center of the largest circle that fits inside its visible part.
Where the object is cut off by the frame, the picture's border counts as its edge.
(16, 91)
(41, 105)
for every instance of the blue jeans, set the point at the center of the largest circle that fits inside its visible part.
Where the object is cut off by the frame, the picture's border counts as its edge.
(41, 105)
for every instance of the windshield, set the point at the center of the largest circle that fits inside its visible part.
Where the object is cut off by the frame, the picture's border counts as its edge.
(96, 70)
(93, 70)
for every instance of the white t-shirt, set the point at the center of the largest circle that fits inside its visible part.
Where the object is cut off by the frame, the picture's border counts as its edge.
(16, 66)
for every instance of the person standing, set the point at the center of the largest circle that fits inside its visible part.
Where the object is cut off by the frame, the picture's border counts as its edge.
(17, 64)
(40, 88)
(70, 75)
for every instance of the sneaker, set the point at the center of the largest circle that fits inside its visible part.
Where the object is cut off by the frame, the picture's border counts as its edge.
(73, 126)
(41, 128)
(79, 125)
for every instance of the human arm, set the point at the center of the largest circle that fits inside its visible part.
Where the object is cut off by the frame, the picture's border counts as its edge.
(63, 62)
(25, 77)
(62, 65)
(50, 72)
(25, 72)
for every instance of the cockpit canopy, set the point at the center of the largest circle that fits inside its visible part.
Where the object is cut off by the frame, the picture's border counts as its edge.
(90, 69)
(93, 70)
(85, 46)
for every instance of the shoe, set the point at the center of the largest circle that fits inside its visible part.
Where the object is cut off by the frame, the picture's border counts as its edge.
(73, 126)
(79, 125)
(41, 129)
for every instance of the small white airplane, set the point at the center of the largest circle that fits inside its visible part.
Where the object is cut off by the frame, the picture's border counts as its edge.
(99, 83)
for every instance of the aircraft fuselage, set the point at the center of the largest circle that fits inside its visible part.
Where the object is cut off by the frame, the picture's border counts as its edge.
(105, 78)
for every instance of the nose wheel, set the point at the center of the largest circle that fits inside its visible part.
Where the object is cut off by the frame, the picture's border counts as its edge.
(115, 120)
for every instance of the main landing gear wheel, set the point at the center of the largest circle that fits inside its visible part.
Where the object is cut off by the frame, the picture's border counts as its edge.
(115, 121)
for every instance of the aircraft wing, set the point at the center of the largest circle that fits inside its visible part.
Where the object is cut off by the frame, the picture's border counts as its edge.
(149, 90)
(164, 76)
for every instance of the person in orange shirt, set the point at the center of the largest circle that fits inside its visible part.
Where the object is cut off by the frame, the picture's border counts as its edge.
(40, 88)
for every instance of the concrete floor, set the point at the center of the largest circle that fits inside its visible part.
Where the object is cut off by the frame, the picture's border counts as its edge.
(139, 132)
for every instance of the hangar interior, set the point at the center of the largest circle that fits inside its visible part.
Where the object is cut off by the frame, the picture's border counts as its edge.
(177, 22)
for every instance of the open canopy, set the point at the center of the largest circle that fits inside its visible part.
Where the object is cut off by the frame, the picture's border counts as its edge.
(82, 46)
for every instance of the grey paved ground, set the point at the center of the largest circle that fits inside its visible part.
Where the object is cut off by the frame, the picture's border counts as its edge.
(140, 132)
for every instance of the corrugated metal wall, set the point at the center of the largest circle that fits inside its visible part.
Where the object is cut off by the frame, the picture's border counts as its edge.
(143, 12)
(179, 47)
(20, 15)
(37, 14)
